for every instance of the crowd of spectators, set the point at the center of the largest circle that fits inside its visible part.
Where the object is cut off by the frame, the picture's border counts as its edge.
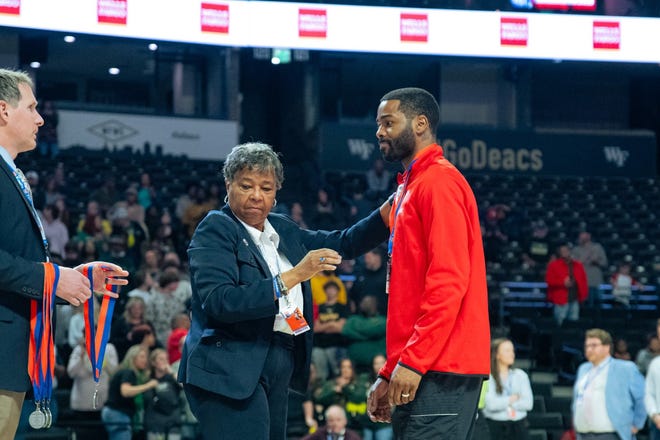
(146, 229)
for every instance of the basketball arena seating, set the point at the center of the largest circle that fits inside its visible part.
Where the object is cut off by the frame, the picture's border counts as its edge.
(621, 214)
(86, 169)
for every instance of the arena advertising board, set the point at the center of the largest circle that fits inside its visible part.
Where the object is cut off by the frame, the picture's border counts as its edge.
(350, 28)
(194, 137)
(354, 147)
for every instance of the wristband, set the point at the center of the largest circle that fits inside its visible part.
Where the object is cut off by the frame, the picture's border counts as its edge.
(281, 287)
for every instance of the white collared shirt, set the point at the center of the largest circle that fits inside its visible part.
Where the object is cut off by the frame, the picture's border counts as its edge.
(590, 410)
(268, 243)
(7, 157)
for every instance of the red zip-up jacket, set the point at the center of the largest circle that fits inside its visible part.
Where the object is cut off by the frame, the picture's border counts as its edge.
(555, 275)
(438, 300)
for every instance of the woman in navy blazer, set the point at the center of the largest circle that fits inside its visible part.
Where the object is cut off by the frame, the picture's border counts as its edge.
(249, 268)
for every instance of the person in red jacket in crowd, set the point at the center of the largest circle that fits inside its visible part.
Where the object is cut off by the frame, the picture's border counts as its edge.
(438, 332)
(180, 328)
(567, 285)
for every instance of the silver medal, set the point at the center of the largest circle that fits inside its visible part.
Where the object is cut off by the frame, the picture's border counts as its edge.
(49, 417)
(37, 419)
(95, 399)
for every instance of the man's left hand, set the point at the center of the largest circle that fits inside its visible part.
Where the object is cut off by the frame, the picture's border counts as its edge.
(105, 274)
(378, 407)
(403, 385)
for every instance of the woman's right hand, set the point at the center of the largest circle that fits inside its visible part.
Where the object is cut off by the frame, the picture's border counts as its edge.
(316, 261)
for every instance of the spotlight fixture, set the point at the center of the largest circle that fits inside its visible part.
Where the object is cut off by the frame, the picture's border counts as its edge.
(69, 39)
(114, 71)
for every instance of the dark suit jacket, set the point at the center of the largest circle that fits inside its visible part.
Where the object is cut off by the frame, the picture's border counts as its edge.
(21, 278)
(322, 434)
(232, 304)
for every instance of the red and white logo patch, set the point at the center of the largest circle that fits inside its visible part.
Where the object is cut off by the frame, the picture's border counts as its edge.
(12, 7)
(607, 34)
(215, 18)
(312, 23)
(112, 11)
(414, 27)
(513, 31)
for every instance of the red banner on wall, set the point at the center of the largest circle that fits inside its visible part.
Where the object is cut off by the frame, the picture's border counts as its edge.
(414, 27)
(12, 7)
(112, 11)
(607, 34)
(312, 23)
(514, 31)
(215, 18)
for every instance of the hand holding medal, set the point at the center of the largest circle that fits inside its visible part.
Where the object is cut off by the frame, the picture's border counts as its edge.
(105, 276)
(101, 279)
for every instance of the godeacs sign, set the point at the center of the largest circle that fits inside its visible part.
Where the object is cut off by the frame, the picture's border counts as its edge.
(479, 156)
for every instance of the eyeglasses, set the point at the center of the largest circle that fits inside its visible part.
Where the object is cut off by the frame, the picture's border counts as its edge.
(592, 345)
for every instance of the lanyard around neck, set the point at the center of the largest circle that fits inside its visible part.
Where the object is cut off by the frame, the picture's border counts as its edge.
(399, 201)
(591, 377)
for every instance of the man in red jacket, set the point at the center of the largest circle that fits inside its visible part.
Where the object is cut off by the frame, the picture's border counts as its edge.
(567, 285)
(438, 333)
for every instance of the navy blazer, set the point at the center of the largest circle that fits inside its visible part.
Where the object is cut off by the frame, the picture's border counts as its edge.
(21, 278)
(233, 307)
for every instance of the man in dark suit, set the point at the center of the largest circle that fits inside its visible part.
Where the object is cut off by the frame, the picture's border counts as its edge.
(24, 249)
(249, 269)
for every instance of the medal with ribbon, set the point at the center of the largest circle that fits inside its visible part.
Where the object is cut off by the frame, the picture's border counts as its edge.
(96, 337)
(41, 350)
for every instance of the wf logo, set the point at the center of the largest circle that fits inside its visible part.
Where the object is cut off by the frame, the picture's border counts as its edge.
(616, 155)
(360, 148)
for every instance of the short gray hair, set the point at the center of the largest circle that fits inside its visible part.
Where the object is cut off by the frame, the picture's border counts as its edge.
(9, 82)
(253, 156)
(337, 409)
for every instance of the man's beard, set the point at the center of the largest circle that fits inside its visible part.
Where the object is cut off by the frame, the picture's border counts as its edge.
(401, 147)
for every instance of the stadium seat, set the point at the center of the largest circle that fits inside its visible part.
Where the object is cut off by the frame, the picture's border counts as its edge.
(547, 420)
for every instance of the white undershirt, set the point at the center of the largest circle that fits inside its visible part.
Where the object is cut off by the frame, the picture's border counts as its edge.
(7, 157)
(590, 410)
(268, 243)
